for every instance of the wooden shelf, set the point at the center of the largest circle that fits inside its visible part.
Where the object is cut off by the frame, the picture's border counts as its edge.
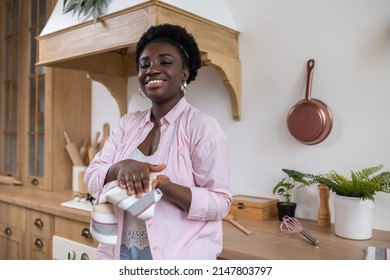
(106, 50)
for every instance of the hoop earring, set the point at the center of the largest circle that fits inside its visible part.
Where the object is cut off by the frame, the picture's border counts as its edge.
(184, 87)
(141, 93)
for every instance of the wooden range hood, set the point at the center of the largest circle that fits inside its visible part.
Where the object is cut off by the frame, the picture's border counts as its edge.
(105, 50)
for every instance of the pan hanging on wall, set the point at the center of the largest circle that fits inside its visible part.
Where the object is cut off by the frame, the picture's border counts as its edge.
(310, 120)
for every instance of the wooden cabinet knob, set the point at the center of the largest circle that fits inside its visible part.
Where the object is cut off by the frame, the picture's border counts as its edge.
(38, 223)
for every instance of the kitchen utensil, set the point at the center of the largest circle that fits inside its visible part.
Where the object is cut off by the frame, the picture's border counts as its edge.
(310, 120)
(94, 147)
(229, 218)
(73, 151)
(292, 225)
(84, 151)
(106, 133)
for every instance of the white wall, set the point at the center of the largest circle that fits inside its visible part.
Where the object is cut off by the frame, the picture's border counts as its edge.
(350, 42)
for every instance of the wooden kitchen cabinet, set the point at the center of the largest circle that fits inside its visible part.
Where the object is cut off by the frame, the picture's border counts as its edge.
(34, 217)
(25, 233)
(39, 235)
(37, 104)
(12, 232)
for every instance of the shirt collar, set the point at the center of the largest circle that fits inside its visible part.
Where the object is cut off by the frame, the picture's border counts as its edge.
(170, 117)
(176, 111)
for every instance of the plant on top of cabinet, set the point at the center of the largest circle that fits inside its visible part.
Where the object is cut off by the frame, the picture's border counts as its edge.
(284, 188)
(85, 7)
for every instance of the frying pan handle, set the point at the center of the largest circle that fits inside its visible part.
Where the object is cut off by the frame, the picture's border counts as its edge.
(310, 68)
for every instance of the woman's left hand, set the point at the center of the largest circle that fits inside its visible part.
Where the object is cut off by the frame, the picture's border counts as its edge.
(179, 195)
(162, 182)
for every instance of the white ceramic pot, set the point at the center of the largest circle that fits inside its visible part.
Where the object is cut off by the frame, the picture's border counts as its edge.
(353, 217)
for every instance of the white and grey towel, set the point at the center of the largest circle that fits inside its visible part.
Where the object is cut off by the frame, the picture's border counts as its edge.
(104, 225)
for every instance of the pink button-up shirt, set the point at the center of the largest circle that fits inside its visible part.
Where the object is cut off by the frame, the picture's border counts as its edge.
(195, 150)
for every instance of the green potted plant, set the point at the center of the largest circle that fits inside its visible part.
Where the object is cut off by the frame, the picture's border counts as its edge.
(354, 199)
(284, 188)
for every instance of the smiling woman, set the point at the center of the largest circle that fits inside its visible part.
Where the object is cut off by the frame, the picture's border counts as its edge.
(185, 147)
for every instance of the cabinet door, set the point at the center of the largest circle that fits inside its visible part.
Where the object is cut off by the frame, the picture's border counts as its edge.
(12, 243)
(24, 87)
(37, 104)
(12, 231)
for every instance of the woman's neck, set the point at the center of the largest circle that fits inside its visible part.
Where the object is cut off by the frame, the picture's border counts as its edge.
(159, 110)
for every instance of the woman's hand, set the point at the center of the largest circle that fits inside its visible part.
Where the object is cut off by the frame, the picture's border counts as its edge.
(162, 182)
(178, 195)
(133, 175)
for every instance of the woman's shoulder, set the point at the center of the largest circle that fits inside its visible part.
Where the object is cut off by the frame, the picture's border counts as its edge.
(203, 123)
(133, 118)
(134, 115)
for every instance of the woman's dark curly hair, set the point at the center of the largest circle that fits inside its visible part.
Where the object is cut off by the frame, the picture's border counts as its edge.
(179, 38)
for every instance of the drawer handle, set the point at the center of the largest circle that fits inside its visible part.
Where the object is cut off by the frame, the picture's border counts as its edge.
(241, 206)
(38, 223)
(38, 243)
(8, 231)
(86, 233)
(35, 182)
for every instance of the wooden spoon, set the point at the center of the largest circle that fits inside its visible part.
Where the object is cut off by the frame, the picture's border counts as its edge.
(229, 218)
(84, 150)
(106, 134)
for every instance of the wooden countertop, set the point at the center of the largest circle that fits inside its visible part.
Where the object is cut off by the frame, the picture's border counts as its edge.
(266, 241)
(48, 202)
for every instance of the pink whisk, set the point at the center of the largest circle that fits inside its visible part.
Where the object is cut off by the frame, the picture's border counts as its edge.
(292, 225)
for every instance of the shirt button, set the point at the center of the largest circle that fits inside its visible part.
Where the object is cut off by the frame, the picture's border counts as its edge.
(155, 248)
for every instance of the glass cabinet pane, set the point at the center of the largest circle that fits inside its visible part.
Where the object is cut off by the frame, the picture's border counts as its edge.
(37, 93)
(9, 114)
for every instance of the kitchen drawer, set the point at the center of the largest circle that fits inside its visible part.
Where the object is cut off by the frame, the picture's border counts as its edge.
(40, 224)
(39, 248)
(74, 230)
(12, 215)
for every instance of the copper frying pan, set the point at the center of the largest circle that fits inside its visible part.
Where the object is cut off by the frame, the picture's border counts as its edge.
(310, 120)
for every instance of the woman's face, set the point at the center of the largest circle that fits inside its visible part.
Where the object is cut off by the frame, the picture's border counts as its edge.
(161, 72)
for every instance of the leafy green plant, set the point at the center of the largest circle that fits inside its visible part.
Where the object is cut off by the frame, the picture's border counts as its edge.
(294, 179)
(364, 183)
(85, 7)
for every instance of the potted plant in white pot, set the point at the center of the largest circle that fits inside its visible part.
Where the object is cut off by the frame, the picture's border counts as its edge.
(354, 199)
(284, 188)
